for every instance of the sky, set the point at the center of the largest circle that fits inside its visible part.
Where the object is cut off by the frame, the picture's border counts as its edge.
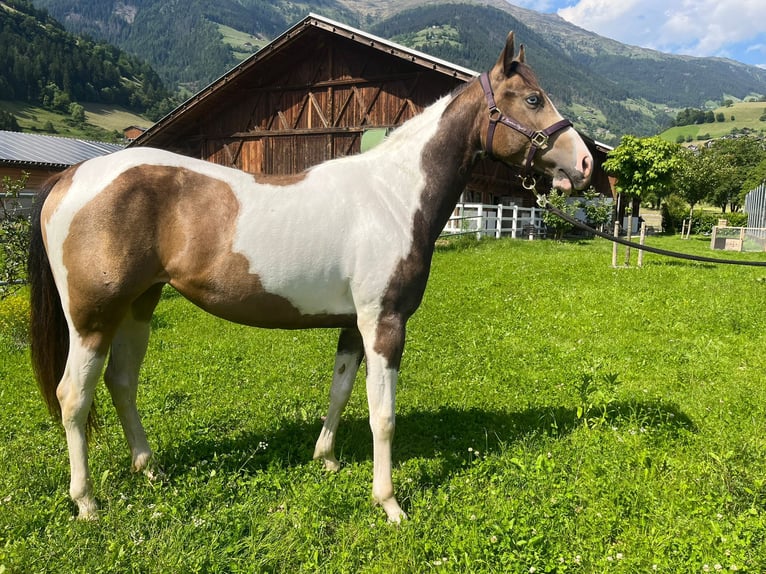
(733, 29)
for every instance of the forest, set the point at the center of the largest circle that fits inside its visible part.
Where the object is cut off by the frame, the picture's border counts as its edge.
(482, 29)
(43, 63)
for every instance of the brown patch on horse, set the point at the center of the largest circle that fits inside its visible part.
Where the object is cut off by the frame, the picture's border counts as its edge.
(281, 180)
(161, 224)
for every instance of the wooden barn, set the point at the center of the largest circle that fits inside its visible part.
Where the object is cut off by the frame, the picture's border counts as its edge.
(321, 90)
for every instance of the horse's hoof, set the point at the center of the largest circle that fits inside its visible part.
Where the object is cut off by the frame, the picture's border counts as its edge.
(394, 513)
(87, 510)
(154, 473)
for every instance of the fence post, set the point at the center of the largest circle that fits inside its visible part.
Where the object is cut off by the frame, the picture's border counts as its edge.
(641, 240)
(479, 220)
(515, 222)
(499, 221)
(614, 243)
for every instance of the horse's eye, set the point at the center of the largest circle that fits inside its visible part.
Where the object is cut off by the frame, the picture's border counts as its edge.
(534, 100)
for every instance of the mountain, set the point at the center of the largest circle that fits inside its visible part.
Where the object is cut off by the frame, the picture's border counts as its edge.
(43, 63)
(608, 88)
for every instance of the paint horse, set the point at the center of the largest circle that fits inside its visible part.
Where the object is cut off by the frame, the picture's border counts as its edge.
(347, 244)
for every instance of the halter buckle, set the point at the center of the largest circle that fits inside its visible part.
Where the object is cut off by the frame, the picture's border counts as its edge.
(540, 140)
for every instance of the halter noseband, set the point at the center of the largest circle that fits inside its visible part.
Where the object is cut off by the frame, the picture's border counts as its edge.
(538, 139)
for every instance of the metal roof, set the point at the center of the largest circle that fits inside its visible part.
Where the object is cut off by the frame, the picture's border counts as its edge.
(50, 151)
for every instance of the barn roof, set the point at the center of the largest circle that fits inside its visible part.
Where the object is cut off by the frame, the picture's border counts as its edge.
(303, 31)
(25, 149)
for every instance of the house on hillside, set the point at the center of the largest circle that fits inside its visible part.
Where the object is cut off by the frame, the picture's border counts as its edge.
(132, 132)
(323, 90)
(41, 156)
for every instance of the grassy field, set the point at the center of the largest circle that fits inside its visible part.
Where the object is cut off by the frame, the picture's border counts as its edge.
(554, 415)
(101, 121)
(242, 43)
(746, 115)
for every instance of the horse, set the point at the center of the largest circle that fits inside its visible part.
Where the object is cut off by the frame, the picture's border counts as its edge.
(346, 244)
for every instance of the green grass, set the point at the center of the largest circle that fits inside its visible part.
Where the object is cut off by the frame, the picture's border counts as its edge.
(239, 41)
(746, 115)
(554, 415)
(101, 121)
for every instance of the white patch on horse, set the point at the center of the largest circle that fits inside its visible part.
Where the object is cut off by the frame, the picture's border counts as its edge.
(322, 243)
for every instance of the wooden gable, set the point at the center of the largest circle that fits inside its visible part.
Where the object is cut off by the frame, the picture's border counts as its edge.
(310, 96)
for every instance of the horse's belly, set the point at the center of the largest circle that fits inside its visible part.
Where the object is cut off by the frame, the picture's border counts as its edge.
(306, 304)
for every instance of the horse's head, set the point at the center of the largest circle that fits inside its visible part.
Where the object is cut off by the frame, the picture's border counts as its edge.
(524, 128)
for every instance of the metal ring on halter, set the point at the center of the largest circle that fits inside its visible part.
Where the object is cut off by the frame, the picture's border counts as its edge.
(528, 182)
(540, 140)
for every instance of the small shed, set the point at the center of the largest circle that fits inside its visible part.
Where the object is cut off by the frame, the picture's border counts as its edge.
(41, 156)
(321, 90)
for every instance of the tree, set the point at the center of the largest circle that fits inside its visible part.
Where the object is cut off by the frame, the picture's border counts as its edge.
(8, 122)
(697, 176)
(643, 166)
(735, 159)
(77, 113)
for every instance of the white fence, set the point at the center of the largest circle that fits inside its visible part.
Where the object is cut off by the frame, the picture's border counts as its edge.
(755, 207)
(496, 221)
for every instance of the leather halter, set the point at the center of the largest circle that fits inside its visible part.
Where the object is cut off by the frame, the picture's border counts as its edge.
(538, 139)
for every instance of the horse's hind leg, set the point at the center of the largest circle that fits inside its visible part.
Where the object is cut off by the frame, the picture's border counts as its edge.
(121, 376)
(75, 394)
(347, 359)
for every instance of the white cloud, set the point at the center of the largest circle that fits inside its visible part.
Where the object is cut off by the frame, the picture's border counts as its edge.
(695, 27)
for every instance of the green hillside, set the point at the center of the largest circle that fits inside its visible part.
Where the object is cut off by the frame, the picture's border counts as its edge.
(738, 118)
(102, 122)
(608, 88)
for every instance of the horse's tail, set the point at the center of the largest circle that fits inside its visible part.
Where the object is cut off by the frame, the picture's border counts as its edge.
(48, 330)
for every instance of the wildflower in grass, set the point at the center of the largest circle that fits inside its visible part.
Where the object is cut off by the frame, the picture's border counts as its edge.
(493, 539)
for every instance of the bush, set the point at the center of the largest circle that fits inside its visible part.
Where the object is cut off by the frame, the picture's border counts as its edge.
(703, 221)
(674, 210)
(14, 235)
(14, 318)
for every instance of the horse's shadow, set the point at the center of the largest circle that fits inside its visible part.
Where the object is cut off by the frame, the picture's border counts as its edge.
(419, 434)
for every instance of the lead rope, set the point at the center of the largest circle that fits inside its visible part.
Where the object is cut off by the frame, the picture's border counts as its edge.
(543, 202)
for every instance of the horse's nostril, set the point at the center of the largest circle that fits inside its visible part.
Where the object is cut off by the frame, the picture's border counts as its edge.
(587, 165)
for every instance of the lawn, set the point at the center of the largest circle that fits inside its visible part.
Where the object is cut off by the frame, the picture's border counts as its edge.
(745, 114)
(554, 415)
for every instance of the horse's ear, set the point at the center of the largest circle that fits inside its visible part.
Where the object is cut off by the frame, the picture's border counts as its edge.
(522, 54)
(505, 61)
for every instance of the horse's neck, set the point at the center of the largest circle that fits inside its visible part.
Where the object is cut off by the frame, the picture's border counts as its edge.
(447, 161)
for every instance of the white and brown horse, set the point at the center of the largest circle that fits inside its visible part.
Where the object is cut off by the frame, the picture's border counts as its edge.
(347, 244)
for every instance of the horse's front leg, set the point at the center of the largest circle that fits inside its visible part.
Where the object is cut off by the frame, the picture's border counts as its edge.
(347, 360)
(384, 344)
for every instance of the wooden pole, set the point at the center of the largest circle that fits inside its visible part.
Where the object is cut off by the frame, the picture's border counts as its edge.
(628, 236)
(614, 244)
(641, 241)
